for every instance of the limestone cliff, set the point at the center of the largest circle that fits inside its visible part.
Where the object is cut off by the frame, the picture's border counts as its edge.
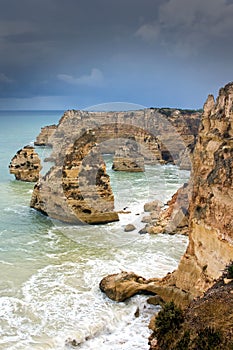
(210, 246)
(159, 138)
(206, 323)
(128, 158)
(211, 209)
(25, 165)
(45, 134)
(81, 191)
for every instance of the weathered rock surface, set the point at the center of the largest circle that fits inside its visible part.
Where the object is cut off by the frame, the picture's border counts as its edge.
(207, 323)
(129, 228)
(124, 285)
(175, 218)
(128, 158)
(210, 246)
(43, 139)
(83, 188)
(184, 162)
(150, 129)
(153, 206)
(26, 165)
(211, 207)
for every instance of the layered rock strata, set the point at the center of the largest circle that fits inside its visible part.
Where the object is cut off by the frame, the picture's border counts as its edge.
(211, 207)
(26, 165)
(83, 190)
(45, 134)
(128, 158)
(160, 138)
(210, 246)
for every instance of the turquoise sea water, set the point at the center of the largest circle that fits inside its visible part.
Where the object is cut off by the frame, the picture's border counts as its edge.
(50, 271)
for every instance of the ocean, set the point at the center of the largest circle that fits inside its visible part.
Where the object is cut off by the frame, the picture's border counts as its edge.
(50, 271)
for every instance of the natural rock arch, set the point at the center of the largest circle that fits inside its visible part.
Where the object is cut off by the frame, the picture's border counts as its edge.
(85, 182)
(53, 196)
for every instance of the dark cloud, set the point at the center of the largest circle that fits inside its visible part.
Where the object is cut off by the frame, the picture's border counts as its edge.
(171, 52)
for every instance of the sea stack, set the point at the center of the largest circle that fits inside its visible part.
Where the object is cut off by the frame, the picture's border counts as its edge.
(26, 165)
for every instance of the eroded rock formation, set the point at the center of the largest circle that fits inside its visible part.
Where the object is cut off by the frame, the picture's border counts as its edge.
(46, 133)
(210, 246)
(128, 158)
(173, 219)
(160, 135)
(124, 285)
(211, 208)
(206, 324)
(82, 186)
(26, 165)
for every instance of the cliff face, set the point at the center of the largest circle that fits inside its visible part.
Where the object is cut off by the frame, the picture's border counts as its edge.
(155, 131)
(128, 158)
(206, 324)
(45, 135)
(210, 246)
(211, 210)
(25, 165)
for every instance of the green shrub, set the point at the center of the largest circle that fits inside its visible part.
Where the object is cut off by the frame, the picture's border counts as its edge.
(230, 270)
(208, 339)
(169, 318)
(183, 343)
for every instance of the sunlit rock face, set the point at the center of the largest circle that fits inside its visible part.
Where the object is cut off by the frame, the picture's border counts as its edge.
(43, 139)
(211, 210)
(160, 137)
(128, 158)
(210, 225)
(26, 165)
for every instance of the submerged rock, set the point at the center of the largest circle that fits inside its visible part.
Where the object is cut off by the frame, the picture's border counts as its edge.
(26, 165)
(129, 228)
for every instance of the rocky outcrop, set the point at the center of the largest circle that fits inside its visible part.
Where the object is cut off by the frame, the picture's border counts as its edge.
(174, 219)
(206, 324)
(124, 285)
(149, 129)
(83, 190)
(161, 134)
(128, 158)
(210, 246)
(26, 165)
(43, 139)
(211, 207)
(184, 161)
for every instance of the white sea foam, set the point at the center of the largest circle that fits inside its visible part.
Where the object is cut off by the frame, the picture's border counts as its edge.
(49, 283)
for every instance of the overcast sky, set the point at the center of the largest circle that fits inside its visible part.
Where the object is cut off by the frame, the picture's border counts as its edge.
(64, 54)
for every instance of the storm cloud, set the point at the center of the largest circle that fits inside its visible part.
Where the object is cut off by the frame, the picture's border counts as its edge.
(75, 53)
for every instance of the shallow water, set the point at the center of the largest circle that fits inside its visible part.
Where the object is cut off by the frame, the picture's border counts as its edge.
(50, 271)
